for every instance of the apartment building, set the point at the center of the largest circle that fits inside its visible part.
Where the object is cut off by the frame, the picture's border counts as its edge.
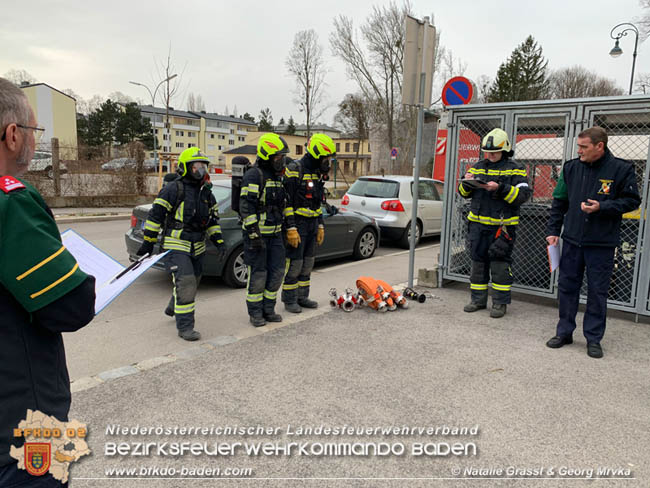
(213, 133)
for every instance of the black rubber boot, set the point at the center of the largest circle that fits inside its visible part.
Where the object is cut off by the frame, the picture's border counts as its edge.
(473, 307)
(189, 334)
(307, 303)
(273, 317)
(292, 307)
(498, 310)
(257, 321)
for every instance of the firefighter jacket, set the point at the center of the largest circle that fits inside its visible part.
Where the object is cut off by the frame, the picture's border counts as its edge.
(499, 207)
(262, 201)
(186, 210)
(612, 182)
(305, 188)
(42, 294)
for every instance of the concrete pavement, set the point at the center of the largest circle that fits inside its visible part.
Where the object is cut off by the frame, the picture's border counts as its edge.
(545, 417)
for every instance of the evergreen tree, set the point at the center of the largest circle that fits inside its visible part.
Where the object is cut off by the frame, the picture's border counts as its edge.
(291, 126)
(248, 117)
(282, 122)
(266, 120)
(132, 126)
(523, 76)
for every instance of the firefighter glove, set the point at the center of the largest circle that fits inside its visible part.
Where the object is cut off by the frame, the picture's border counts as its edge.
(217, 240)
(320, 234)
(146, 247)
(293, 238)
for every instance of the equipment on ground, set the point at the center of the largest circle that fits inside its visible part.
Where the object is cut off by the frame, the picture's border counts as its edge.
(413, 295)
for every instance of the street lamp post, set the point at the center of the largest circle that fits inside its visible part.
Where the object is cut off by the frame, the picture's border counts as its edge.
(617, 51)
(153, 122)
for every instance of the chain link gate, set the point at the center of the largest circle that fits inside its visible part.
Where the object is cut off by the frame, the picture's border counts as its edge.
(543, 134)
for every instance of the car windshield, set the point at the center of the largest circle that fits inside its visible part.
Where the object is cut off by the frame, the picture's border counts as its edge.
(378, 188)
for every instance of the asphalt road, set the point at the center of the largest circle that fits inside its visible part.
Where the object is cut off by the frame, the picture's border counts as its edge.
(133, 328)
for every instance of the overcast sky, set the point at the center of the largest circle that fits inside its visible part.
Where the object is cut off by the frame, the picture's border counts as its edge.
(233, 53)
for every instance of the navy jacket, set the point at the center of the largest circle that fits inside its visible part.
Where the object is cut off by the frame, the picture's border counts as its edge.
(612, 182)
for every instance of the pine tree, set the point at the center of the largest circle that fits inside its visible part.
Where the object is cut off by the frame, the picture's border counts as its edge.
(523, 76)
(291, 126)
(266, 120)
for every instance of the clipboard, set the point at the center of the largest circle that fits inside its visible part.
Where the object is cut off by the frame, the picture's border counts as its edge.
(111, 278)
(472, 182)
(553, 257)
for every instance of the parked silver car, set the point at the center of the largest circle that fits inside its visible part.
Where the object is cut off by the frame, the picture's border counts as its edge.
(121, 163)
(389, 200)
(42, 163)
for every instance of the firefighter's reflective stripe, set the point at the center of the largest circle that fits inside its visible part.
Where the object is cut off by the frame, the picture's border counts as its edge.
(288, 211)
(303, 283)
(213, 230)
(308, 212)
(150, 238)
(270, 229)
(271, 295)
(250, 188)
(310, 177)
(463, 191)
(187, 308)
(481, 219)
(164, 203)
(176, 234)
(255, 297)
(215, 208)
(250, 220)
(177, 244)
(498, 287)
(293, 286)
(478, 286)
(291, 174)
(512, 194)
(152, 226)
(179, 212)
(199, 247)
(497, 172)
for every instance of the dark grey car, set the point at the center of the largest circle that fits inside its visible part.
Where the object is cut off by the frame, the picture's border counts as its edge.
(347, 233)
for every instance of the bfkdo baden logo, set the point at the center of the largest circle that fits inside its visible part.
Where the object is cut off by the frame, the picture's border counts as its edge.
(50, 446)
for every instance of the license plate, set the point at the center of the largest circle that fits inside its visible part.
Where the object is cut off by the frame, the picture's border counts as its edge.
(142, 222)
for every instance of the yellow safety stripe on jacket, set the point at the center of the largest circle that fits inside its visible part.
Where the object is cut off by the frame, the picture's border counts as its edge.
(270, 295)
(270, 229)
(55, 283)
(481, 219)
(152, 226)
(308, 212)
(177, 244)
(498, 287)
(288, 212)
(255, 297)
(41, 264)
(512, 194)
(199, 248)
(176, 234)
(250, 220)
(291, 174)
(497, 172)
(303, 283)
(477, 286)
(250, 188)
(179, 212)
(213, 229)
(181, 309)
(463, 191)
(310, 177)
(164, 203)
(293, 286)
(215, 208)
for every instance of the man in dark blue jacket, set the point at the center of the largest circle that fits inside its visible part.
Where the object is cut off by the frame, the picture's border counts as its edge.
(592, 194)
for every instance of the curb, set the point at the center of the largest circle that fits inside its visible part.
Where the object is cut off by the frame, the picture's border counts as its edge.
(65, 219)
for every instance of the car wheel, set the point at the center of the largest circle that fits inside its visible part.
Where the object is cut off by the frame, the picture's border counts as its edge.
(365, 245)
(235, 273)
(404, 241)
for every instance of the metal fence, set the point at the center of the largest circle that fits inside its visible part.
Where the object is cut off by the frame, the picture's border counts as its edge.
(544, 135)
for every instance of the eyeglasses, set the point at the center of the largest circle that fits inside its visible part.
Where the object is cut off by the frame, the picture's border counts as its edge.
(38, 132)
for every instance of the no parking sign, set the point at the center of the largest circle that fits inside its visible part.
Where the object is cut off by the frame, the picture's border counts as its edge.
(457, 91)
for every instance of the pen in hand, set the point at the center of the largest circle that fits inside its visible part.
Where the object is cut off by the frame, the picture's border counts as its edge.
(132, 266)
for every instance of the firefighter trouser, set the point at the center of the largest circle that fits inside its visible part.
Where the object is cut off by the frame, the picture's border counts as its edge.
(300, 261)
(186, 271)
(599, 263)
(265, 272)
(480, 238)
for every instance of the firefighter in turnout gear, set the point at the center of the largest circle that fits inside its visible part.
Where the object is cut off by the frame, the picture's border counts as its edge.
(186, 211)
(262, 210)
(304, 181)
(498, 189)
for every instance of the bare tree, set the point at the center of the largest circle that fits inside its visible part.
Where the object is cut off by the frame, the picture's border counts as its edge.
(119, 97)
(195, 103)
(19, 76)
(353, 119)
(577, 82)
(643, 83)
(483, 84)
(305, 62)
(447, 67)
(644, 20)
(170, 87)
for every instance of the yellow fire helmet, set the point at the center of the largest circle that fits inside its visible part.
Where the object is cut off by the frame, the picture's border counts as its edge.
(270, 144)
(496, 140)
(189, 156)
(321, 145)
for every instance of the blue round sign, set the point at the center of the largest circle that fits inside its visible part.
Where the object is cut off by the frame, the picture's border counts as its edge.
(393, 152)
(457, 91)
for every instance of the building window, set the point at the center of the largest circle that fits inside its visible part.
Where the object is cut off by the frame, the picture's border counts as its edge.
(241, 138)
(191, 134)
(338, 147)
(220, 148)
(355, 147)
(180, 133)
(347, 147)
(354, 167)
(180, 144)
(298, 149)
(231, 142)
(346, 166)
(189, 144)
(211, 136)
(232, 131)
(368, 147)
(165, 137)
(222, 137)
(156, 131)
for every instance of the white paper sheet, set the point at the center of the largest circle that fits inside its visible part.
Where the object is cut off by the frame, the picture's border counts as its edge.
(553, 257)
(104, 268)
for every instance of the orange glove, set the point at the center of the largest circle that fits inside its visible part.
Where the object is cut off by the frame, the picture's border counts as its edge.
(320, 235)
(293, 238)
